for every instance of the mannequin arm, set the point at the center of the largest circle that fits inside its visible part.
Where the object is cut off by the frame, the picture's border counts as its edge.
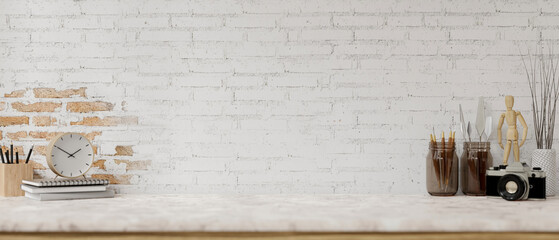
(524, 126)
(499, 132)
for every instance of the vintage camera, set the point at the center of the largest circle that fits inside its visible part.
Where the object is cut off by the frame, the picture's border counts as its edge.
(515, 182)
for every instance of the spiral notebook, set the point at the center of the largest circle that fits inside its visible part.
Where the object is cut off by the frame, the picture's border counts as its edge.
(65, 182)
(70, 196)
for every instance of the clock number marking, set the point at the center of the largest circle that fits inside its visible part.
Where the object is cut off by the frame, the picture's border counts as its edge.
(80, 138)
(62, 172)
(87, 145)
(87, 164)
(62, 139)
(80, 171)
(70, 135)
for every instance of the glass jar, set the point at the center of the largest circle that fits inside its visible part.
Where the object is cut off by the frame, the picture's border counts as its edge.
(475, 160)
(442, 169)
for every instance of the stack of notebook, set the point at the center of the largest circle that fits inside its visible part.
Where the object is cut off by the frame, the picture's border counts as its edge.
(47, 190)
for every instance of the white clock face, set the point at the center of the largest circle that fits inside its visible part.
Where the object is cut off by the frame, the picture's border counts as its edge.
(72, 155)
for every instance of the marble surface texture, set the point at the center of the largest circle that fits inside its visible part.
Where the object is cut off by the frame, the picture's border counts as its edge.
(363, 213)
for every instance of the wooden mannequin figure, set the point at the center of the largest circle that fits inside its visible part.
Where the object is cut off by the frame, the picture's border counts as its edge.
(512, 134)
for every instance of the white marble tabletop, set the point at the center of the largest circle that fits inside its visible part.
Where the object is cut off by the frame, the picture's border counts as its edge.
(308, 213)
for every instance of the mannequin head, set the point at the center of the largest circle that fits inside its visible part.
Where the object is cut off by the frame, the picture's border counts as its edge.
(509, 101)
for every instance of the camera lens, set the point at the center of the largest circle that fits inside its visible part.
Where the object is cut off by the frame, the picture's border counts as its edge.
(511, 187)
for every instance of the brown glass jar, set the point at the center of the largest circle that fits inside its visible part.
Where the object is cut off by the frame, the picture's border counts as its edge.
(475, 160)
(442, 169)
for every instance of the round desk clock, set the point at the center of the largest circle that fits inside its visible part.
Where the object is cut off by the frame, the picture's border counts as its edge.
(70, 155)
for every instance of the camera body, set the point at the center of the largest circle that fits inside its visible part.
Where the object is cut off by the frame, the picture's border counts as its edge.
(515, 182)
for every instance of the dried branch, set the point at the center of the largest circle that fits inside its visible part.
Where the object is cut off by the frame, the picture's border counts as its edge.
(544, 90)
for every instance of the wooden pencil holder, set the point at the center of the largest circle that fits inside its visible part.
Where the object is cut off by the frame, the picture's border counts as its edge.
(11, 176)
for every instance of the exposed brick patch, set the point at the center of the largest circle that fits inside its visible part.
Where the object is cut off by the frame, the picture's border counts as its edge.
(134, 165)
(36, 107)
(91, 136)
(40, 150)
(99, 164)
(53, 93)
(15, 94)
(37, 165)
(43, 121)
(7, 121)
(44, 135)
(114, 179)
(107, 121)
(124, 151)
(49, 135)
(16, 136)
(84, 107)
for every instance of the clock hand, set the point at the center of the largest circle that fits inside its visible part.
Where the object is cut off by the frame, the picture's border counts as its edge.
(62, 150)
(72, 155)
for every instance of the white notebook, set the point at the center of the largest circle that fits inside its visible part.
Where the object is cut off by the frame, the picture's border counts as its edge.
(91, 188)
(70, 196)
(65, 182)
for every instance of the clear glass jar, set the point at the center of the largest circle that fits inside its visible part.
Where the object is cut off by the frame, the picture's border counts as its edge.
(442, 169)
(475, 160)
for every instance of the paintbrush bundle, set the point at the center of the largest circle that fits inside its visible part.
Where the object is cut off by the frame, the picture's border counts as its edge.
(475, 160)
(442, 165)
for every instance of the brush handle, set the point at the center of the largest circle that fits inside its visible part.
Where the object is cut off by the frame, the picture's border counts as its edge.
(29, 155)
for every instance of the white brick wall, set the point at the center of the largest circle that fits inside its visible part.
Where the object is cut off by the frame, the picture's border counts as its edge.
(263, 96)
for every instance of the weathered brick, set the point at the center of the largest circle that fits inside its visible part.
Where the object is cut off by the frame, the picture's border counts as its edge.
(114, 178)
(16, 136)
(107, 121)
(2, 106)
(124, 151)
(7, 121)
(100, 164)
(40, 150)
(44, 135)
(15, 94)
(36, 165)
(49, 135)
(84, 107)
(44, 121)
(53, 93)
(36, 107)
(134, 165)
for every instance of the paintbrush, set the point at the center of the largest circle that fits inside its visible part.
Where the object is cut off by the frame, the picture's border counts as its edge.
(450, 158)
(434, 157)
(443, 159)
